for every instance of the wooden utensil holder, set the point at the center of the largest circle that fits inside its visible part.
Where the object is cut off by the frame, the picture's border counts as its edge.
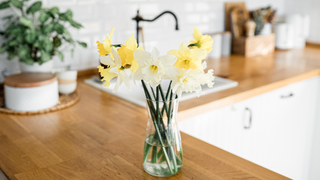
(253, 46)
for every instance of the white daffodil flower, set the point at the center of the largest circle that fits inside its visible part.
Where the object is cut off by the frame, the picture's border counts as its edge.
(185, 80)
(207, 78)
(152, 68)
(116, 69)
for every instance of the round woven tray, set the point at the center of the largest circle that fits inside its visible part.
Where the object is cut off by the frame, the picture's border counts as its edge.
(64, 102)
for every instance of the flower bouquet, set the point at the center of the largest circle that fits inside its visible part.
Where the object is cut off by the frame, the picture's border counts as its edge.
(181, 70)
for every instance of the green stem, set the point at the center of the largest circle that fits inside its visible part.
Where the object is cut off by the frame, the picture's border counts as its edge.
(156, 128)
(154, 154)
(146, 151)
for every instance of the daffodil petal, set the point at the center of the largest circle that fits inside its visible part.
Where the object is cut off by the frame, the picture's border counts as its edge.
(125, 78)
(155, 54)
(204, 65)
(141, 57)
(183, 49)
(119, 82)
(168, 60)
(138, 75)
(106, 60)
(198, 54)
(116, 57)
(174, 52)
(197, 34)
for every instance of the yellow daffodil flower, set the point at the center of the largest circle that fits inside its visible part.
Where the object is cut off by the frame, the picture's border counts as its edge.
(201, 41)
(188, 58)
(126, 54)
(115, 69)
(104, 48)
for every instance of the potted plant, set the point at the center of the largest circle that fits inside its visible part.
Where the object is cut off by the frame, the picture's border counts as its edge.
(35, 34)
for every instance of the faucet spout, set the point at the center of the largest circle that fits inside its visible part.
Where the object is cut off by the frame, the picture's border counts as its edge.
(138, 18)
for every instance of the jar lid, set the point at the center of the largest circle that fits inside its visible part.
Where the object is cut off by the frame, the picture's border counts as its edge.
(25, 80)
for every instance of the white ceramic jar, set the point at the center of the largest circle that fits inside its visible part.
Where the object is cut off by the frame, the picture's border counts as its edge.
(31, 91)
(67, 81)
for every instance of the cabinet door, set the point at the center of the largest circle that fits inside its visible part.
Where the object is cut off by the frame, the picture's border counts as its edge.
(282, 128)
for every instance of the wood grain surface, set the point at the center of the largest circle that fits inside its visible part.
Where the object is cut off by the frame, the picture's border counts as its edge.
(25, 80)
(102, 136)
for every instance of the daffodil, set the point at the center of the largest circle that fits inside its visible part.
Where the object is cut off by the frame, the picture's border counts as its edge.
(188, 58)
(104, 48)
(152, 68)
(201, 41)
(115, 69)
(186, 80)
(126, 54)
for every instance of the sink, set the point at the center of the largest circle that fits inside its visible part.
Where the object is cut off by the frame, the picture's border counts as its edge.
(136, 95)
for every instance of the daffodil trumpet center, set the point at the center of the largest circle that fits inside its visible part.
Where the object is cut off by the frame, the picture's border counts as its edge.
(186, 61)
(127, 66)
(153, 68)
(185, 80)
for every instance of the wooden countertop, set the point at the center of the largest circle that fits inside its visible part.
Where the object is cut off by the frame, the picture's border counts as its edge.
(102, 136)
(255, 76)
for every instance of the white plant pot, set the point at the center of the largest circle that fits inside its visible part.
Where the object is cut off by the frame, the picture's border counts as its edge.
(45, 67)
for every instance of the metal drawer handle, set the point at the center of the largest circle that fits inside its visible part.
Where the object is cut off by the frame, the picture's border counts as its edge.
(286, 96)
(250, 119)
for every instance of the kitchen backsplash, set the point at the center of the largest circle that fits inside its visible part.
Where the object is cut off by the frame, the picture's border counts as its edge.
(99, 16)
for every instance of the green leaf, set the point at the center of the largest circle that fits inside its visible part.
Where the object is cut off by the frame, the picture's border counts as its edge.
(82, 44)
(54, 10)
(30, 35)
(28, 61)
(75, 24)
(45, 56)
(69, 14)
(13, 43)
(23, 52)
(34, 7)
(36, 44)
(56, 41)
(4, 5)
(12, 54)
(48, 28)
(58, 27)
(60, 55)
(18, 4)
(63, 17)
(66, 32)
(47, 44)
(43, 17)
(3, 49)
(14, 30)
(26, 21)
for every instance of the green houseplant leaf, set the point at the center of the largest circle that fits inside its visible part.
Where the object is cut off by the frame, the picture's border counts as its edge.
(43, 17)
(75, 24)
(60, 55)
(34, 7)
(30, 35)
(82, 44)
(18, 4)
(48, 28)
(45, 56)
(4, 5)
(58, 27)
(54, 10)
(56, 41)
(23, 52)
(26, 21)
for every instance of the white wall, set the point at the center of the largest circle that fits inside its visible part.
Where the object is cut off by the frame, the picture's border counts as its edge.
(312, 8)
(99, 16)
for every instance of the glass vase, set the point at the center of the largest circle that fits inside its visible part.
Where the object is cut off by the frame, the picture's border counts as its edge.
(162, 154)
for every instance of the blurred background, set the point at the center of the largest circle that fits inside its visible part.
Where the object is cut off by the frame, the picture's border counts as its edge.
(99, 16)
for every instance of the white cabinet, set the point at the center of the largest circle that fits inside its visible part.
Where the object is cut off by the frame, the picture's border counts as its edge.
(279, 134)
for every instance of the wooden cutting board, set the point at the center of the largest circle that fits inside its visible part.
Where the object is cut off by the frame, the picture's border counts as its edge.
(228, 7)
(238, 16)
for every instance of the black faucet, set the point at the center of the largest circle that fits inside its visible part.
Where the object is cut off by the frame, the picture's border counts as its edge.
(138, 18)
